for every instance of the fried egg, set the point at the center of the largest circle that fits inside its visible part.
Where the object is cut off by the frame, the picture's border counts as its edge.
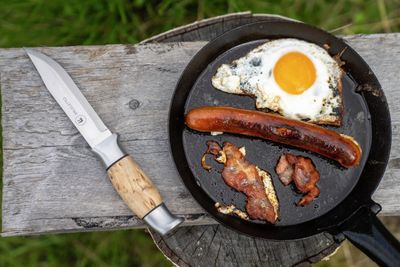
(297, 79)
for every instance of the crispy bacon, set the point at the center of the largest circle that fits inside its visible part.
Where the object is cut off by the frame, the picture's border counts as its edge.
(302, 172)
(248, 179)
(231, 210)
(213, 148)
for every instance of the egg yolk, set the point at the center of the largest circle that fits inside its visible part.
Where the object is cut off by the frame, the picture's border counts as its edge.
(294, 72)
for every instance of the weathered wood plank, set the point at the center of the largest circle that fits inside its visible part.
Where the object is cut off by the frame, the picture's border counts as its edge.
(46, 161)
(53, 182)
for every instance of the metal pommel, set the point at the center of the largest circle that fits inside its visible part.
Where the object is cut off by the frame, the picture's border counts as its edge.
(109, 150)
(162, 220)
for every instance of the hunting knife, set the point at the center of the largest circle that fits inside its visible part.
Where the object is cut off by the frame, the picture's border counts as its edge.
(132, 184)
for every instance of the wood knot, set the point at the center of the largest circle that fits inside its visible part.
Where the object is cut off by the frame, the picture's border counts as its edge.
(130, 49)
(134, 104)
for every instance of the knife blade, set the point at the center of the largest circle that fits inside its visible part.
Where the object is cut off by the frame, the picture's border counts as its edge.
(132, 184)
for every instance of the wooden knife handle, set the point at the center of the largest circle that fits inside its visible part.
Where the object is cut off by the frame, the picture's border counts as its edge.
(134, 186)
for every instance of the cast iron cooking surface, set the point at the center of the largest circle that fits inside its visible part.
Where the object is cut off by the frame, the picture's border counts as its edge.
(378, 132)
(336, 182)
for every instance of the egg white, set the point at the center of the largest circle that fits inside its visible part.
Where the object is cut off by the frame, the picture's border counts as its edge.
(253, 75)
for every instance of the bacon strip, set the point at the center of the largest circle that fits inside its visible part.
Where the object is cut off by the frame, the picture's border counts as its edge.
(302, 172)
(247, 178)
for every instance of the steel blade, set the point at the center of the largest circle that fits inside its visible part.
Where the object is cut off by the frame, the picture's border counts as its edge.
(70, 98)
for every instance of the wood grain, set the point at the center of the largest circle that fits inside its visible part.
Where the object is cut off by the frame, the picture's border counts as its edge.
(134, 186)
(52, 180)
(215, 245)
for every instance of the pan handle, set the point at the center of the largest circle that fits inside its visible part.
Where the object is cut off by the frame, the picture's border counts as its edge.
(367, 233)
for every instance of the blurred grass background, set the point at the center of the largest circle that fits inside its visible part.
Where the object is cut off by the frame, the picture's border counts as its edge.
(75, 22)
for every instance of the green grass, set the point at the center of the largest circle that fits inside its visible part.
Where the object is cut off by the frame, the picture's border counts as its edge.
(72, 22)
(119, 248)
(75, 22)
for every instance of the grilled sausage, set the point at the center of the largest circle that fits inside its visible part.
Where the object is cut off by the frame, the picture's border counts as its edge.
(342, 148)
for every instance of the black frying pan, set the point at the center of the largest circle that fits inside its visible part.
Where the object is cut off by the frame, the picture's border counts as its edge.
(344, 206)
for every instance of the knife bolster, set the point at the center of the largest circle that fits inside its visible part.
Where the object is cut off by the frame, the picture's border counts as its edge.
(109, 150)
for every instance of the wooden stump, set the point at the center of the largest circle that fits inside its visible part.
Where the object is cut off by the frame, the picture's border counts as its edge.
(215, 245)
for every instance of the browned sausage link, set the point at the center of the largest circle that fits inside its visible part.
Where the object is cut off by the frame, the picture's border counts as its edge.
(278, 129)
